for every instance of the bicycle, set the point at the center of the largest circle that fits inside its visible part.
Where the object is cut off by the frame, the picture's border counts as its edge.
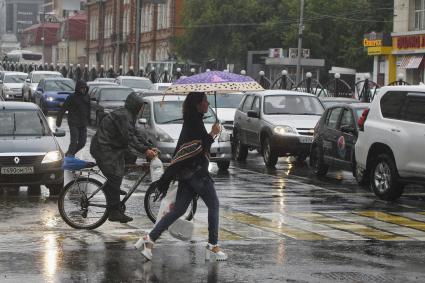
(82, 203)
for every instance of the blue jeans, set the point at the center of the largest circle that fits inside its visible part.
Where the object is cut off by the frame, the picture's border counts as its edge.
(78, 139)
(202, 185)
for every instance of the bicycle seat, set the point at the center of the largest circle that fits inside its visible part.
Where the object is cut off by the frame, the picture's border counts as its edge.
(71, 163)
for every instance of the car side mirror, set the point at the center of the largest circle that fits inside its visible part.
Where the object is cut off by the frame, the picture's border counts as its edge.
(348, 130)
(59, 133)
(253, 114)
(143, 121)
(28, 81)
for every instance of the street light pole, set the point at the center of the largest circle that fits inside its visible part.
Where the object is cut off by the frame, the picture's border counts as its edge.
(138, 30)
(300, 41)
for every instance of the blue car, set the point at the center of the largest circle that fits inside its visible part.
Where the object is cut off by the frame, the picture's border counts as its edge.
(52, 92)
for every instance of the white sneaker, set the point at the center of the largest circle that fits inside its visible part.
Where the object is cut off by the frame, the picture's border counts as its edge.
(145, 245)
(213, 253)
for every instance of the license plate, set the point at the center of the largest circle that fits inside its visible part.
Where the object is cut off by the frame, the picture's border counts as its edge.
(306, 139)
(17, 170)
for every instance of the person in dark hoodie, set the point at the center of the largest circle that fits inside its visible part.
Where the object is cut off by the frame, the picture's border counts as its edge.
(78, 107)
(114, 140)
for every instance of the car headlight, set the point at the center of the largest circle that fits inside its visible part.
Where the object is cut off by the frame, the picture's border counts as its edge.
(224, 135)
(50, 99)
(52, 156)
(163, 136)
(284, 130)
(5, 88)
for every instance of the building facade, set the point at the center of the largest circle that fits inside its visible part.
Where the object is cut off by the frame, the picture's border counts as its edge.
(21, 14)
(111, 31)
(404, 55)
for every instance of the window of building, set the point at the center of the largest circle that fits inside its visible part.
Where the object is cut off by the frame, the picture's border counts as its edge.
(419, 14)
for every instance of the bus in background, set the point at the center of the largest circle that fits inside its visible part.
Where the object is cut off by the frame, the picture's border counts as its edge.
(24, 57)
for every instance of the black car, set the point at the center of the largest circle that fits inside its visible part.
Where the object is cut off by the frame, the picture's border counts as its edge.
(334, 138)
(29, 153)
(104, 99)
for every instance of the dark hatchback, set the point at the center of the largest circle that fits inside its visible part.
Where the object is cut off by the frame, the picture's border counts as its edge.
(105, 99)
(29, 153)
(334, 138)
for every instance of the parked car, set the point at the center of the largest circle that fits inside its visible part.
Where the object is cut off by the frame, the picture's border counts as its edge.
(226, 107)
(136, 83)
(334, 138)
(161, 86)
(2, 72)
(276, 122)
(31, 83)
(29, 153)
(105, 80)
(390, 147)
(51, 93)
(94, 84)
(161, 120)
(11, 85)
(331, 101)
(104, 99)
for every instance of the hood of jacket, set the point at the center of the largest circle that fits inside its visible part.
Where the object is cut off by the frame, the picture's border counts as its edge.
(80, 84)
(133, 103)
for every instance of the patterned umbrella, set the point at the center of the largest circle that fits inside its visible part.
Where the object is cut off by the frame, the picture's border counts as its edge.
(214, 82)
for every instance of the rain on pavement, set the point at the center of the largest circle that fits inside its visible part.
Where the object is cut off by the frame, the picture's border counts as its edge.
(276, 225)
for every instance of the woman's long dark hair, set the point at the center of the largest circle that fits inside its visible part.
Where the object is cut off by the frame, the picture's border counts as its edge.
(190, 104)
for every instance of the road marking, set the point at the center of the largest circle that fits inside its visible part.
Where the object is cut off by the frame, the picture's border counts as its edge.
(378, 224)
(275, 226)
(356, 228)
(399, 220)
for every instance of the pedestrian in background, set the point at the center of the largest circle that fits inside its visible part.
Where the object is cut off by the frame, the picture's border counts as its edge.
(78, 107)
(193, 176)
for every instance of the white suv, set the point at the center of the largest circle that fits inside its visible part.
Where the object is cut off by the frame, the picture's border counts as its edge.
(390, 149)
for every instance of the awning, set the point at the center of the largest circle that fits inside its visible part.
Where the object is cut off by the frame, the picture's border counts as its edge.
(411, 62)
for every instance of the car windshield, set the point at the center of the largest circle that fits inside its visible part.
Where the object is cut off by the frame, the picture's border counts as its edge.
(292, 105)
(59, 85)
(145, 84)
(22, 123)
(36, 78)
(114, 94)
(14, 79)
(229, 100)
(170, 112)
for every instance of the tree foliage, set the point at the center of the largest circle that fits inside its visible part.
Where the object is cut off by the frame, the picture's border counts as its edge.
(224, 30)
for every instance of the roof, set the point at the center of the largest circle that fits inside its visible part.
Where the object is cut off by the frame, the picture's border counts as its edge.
(15, 73)
(96, 83)
(113, 87)
(351, 105)
(165, 98)
(13, 105)
(56, 79)
(339, 99)
(133, 78)
(420, 88)
(282, 92)
(45, 72)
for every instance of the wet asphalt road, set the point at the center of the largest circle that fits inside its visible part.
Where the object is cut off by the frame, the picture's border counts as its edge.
(280, 225)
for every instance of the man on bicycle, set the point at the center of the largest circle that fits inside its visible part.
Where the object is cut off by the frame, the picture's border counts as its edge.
(111, 146)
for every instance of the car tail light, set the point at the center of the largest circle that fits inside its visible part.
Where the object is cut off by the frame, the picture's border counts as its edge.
(362, 119)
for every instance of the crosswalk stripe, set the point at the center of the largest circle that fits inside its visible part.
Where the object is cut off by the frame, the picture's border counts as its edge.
(399, 220)
(419, 216)
(351, 227)
(277, 227)
(371, 222)
(314, 227)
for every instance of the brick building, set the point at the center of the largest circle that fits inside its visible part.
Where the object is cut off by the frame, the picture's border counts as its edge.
(111, 31)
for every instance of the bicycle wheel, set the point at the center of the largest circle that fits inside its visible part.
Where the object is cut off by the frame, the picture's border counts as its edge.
(82, 204)
(152, 204)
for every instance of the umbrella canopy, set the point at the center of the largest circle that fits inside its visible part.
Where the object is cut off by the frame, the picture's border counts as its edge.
(214, 82)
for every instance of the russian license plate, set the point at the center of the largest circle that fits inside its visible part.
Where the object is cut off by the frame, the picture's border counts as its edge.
(306, 139)
(17, 170)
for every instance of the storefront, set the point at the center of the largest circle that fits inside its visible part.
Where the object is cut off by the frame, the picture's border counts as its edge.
(379, 45)
(409, 50)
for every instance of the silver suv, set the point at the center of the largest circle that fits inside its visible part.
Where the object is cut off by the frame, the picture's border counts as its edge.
(276, 122)
(390, 149)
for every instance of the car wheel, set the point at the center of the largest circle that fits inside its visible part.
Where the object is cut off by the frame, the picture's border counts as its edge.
(241, 150)
(317, 163)
(270, 157)
(223, 165)
(55, 190)
(34, 190)
(384, 178)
